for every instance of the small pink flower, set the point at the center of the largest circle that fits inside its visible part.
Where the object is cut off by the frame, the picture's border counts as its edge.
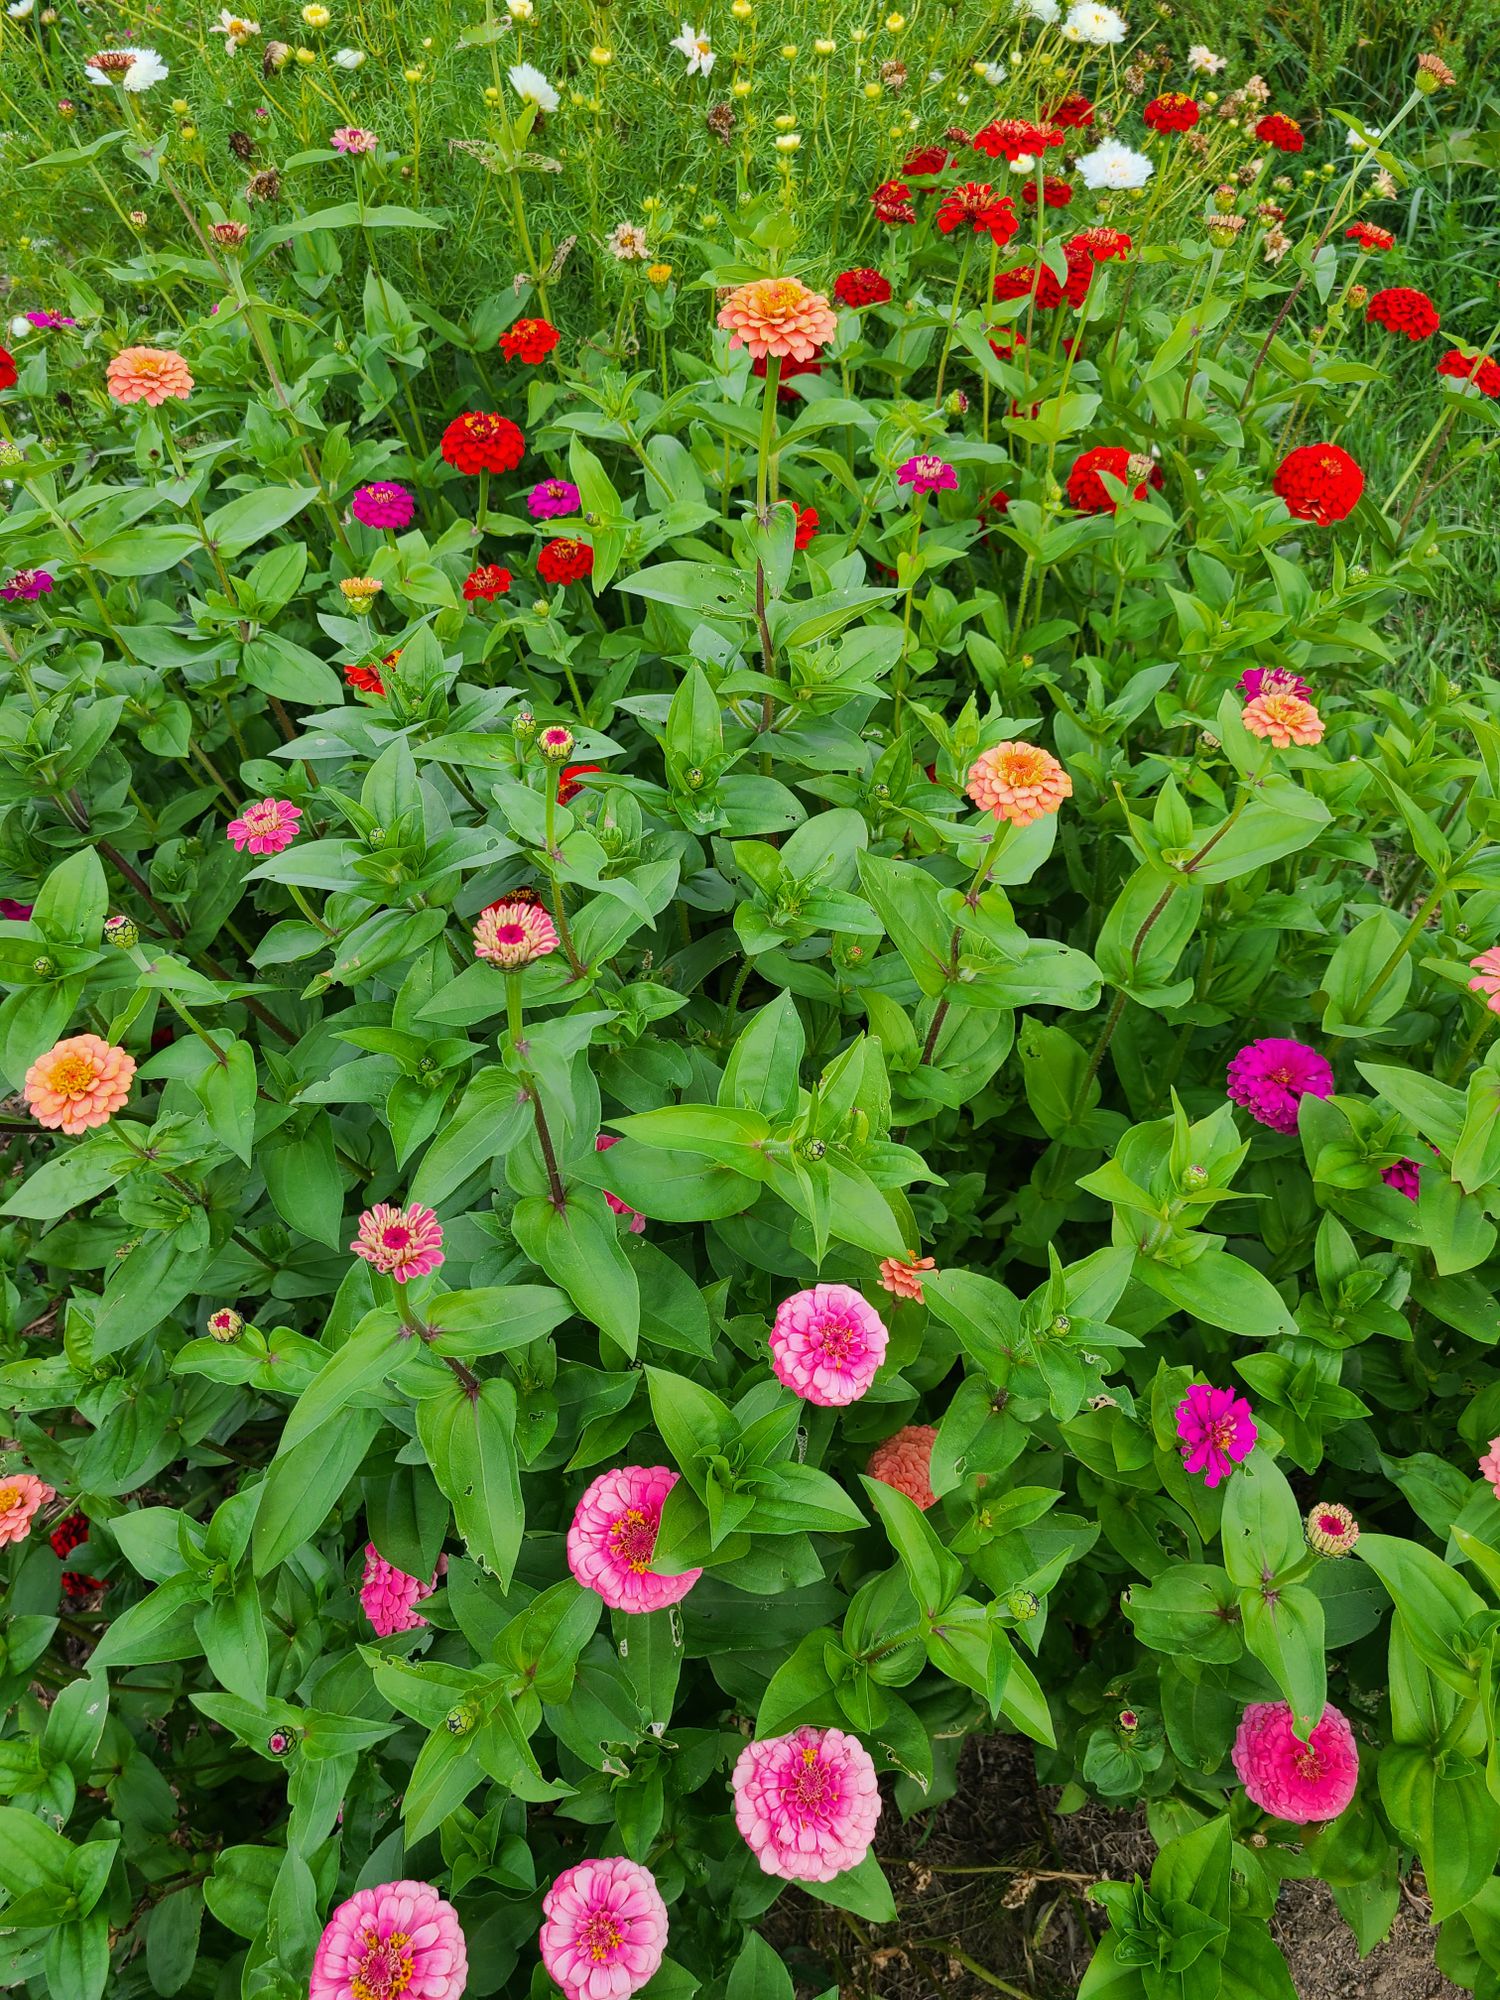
(390, 1597)
(400, 1941)
(383, 505)
(905, 1462)
(1489, 1465)
(1405, 1176)
(1216, 1429)
(807, 1803)
(637, 1221)
(606, 1929)
(1487, 965)
(402, 1242)
(1290, 1779)
(21, 1493)
(1256, 681)
(613, 1538)
(352, 139)
(552, 499)
(265, 827)
(1271, 1077)
(512, 933)
(827, 1344)
(926, 473)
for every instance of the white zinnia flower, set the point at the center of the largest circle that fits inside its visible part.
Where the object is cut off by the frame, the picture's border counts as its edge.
(348, 58)
(20, 9)
(1098, 26)
(627, 242)
(1112, 165)
(235, 30)
(1045, 11)
(532, 87)
(993, 73)
(20, 326)
(146, 68)
(694, 44)
(1204, 61)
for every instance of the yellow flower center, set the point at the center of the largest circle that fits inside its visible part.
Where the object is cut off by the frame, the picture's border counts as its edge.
(71, 1076)
(632, 1538)
(385, 1971)
(773, 298)
(10, 1497)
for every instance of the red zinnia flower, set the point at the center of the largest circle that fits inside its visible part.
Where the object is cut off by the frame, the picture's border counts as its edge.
(366, 679)
(1402, 309)
(476, 442)
(1100, 243)
(1014, 136)
(1075, 114)
(1049, 293)
(1368, 237)
(1007, 339)
(997, 502)
(566, 560)
(862, 287)
(65, 1537)
(927, 160)
(1285, 134)
(790, 366)
(487, 582)
(529, 340)
(1476, 368)
(1055, 193)
(891, 202)
(7, 369)
(1319, 482)
(1173, 111)
(569, 785)
(977, 204)
(807, 524)
(1087, 491)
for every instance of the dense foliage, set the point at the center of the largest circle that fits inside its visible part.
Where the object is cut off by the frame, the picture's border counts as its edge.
(746, 1027)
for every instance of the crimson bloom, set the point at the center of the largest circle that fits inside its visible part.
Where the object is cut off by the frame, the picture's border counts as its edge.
(977, 204)
(926, 161)
(480, 441)
(891, 202)
(1476, 368)
(790, 367)
(1074, 114)
(1100, 243)
(1055, 193)
(570, 782)
(806, 524)
(485, 584)
(7, 369)
(565, 560)
(1087, 491)
(1403, 309)
(1285, 134)
(529, 340)
(861, 287)
(1009, 138)
(366, 679)
(1319, 482)
(1173, 111)
(1041, 282)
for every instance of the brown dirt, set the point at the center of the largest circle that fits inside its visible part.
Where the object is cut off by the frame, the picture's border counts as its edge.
(991, 1893)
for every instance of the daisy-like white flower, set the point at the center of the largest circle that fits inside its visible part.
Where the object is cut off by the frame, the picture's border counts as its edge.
(992, 73)
(627, 243)
(527, 81)
(694, 44)
(136, 69)
(20, 9)
(1045, 11)
(1093, 25)
(235, 29)
(1204, 61)
(348, 58)
(1113, 165)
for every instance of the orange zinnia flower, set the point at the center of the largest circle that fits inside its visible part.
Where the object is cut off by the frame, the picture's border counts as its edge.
(80, 1083)
(902, 1275)
(1020, 782)
(148, 375)
(1286, 718)
(778, 316)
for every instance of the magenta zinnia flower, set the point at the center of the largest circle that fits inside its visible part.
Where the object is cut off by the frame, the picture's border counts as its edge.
(13, 912)
(926, 473)
(553, 498)
(827, 1344)
(1216, 1429)
(512, 933)
(390, 1597)
(265, 827)
(807, 1803)
(637, 1221)
(1288, 1778)
(613, 1538)
(29, 584)
(402, 1242)
(1270, 1079)
(48, 320)
(383, 505)
(400, 1941)
(1405, 1176)
(606, 1929)
(1272, 680)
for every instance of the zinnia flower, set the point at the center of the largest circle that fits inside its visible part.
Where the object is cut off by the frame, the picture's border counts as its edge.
(552, 498)
(1285, 718)
(1087, 491)
(1272, 680)
(565, 560)
(827, 1344)
(1074, 114)
(905, 1462)
(1114, 165)
(1285, 134)
(1100, 243)
(1055, 193)
(403, 1243)
(265, 827)
(486, 583)
(135, 69)
(352, 139)
(806, 519)
(605, 1140)
(901, 1275)
(21, 1493)
(1019, 782)
(569, 784)
(1173, 111)
(8, 373)
(927, 473)
(807, 1804)
(1016, 139)
(861, 287)
(529, 340)
(1319, 482)
(383, 505)
(70, 1533)
(400, 1939)
(1271, 1077)
(891, 202)
(236, 32)
(605, 1930)
(389, 1596)
(479, 441)
(778, 316)
(365, 679)
(1403, 309)
(1487, 965)
(148, 375)
(1369, 237)
(533, 88)
(1489, 1465)
(613, 1538)
(511, 933)
(1095, 26)
(1217, 1431)
(695, 45)
(1202, 60)
(927, 161)
(81, 1082)
(27, 585)
(1287, 1778)
(977, 204)
(1476, 368)
(626, 243)
(1331, 1530)
(1405, 1176)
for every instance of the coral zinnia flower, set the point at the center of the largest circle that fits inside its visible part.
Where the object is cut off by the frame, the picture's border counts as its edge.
(402, 1242)
(613, 1538)
(389, 1597)
(383, 504)
(1087, 491)
(265, 827)
(352, 139)
(1173, 111)
(905, 1462)
(1319, 482)
(479, 441)
(827, 1344)
(1487, 965)
(1271, 1077)
(1019, 782)
(778, 316)
(400, 1939)
(1403, 309)
(807, 1804)
(1285, 134)
(21, 1493)
(565, 560)
(148, 375)
(1284, 718)
(81, 1082)
(1288, 1778)
(861, 287)
(511, 933)
(1216, 1429)
(902, 1275)
(891, 202)
(1369, 237)
(529, 340)
(1476, 368)
(977, 204)
(552, 498)
(1489, 1465)
(486, 583)
(606, 1929)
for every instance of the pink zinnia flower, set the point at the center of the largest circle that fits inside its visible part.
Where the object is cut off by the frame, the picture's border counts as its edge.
(637, 1221)
(383, 505)
(926, 473)
(1288, 1778)
(80, 1083)
(21, 1493)
(807, 1803)
(1489, 1465)
(352, 139)
(606, 1929)
(827, 1344)
(553, 498)
(512, 933)
(1271, 1077)
(1405, 1176)
(265, 827)
(1216, 1429)
(402, 1242)
(390, 1597)
(1272, 680)
(1487, 965)
(613, 1538)
(400, 1941)
(905, 1462)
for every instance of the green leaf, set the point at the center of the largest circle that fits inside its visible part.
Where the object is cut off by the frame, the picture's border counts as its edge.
(1284, 1630)
(469, 1440)
(32, 1856)
(579, 1248)
(302, 1486)
(862, 1890)
(934, 1572)
(368, 1355)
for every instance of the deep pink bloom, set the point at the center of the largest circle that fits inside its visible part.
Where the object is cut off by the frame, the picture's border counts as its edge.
(1405, 1177)
(637, 1221)
(1270, 1078)
(927, 473)
(352, 139)
(1288, 1778)
(905, 1462)
(606, 1929)
(402, 1242)
(265, 827)
(827, 1344)
(390, 1597)
(1216, 1429)
(29, 584)
(400, 1941)
(613, 1538)
(13, 912)
(807, 1803)
(383, 505)
(553, 498)
(1489, 1465)
(48, 320)
(1256, 681)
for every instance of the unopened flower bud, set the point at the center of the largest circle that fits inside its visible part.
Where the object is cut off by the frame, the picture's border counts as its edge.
(1021, 1604)
(44, 967)
(360, 592)
(121, 932)
(1432, 74)
(225, 1325)
(524, 725)
(556, 744)
(1195, 1176)
(278, 1742)
(229, 235)
(1331, 1530)
(462, 1718)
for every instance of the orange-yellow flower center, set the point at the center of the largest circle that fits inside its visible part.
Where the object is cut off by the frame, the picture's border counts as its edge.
(1024, 765)
(773, 298)
(632, 1539)
(1309, 1764)
(385, 1971)
(71, 1076)
(10, 1497)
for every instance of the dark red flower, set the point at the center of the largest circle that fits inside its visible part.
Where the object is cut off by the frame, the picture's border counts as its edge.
(569, 785)
(926, 161)
(861, 287)
(1403, 309)
(530, 340)
(65, 1537)
(1048, 292)
(1011, 137)
(1074, 114)
(1173, 111)
(566, 560)
(1055, 193)
(997, 502)
(1087, 491)
(790, 366)
(1476, 368)
(1285, 134)
(7, 369)
(480, 442)
(486, 583)
(1319, 482)
(807, 524)
(891, 202)
(977, 204)
(1005, 342)
(1369, 237)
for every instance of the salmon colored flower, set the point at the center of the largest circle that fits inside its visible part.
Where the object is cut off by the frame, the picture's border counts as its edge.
(1489, 1465)
(905, 1462)
(1285, 718)
(78, 1084)
(1487, 965)
(902, 1275)
(149, 375)
(780, 317)
(21, 1493)
(1019, 782)
(265, 827)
